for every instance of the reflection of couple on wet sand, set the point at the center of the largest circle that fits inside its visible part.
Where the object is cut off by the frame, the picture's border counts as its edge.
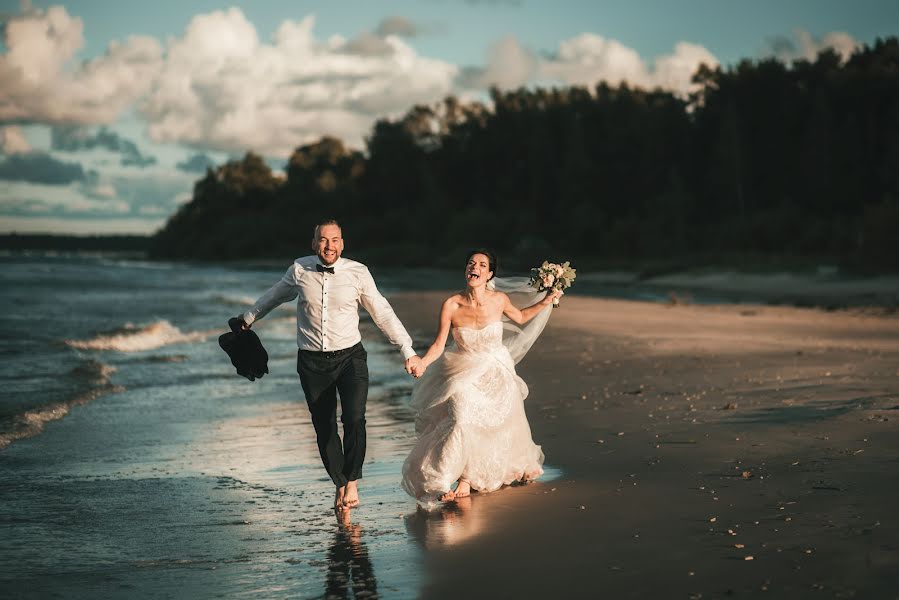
(471, 426)
(349, 566)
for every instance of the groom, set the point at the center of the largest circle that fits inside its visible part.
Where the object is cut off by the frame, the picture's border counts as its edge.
(331, 360)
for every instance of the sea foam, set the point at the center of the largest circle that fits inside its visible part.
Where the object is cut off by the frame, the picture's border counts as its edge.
(31, 423)
(136, 339)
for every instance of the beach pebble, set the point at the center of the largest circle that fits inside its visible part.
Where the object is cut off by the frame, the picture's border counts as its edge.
(748, 558)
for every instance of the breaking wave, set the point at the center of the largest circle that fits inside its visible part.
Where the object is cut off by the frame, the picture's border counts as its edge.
(136, 339)
(31, 423)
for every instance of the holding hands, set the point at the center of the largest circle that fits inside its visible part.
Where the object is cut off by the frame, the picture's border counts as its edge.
(415, 367)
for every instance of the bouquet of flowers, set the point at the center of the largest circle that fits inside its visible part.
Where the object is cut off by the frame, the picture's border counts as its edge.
(552, 277)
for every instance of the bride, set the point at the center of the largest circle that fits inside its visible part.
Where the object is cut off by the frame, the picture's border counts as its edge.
(470, 420)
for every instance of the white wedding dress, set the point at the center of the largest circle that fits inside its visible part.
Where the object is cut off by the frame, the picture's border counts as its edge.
(470, 417)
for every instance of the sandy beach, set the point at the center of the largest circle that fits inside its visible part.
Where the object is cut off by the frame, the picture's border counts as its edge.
(692, 450)
(704, 451)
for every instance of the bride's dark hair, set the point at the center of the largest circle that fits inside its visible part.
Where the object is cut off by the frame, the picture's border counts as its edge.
(491, 258)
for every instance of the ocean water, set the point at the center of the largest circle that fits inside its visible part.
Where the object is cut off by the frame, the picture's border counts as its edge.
(134, 462)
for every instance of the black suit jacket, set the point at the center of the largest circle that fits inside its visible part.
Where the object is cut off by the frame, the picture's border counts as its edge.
(245, 350)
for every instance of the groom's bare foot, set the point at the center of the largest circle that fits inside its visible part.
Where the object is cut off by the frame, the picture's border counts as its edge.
(351, 496)
(447, 497)
(340, 498)
(463, 490)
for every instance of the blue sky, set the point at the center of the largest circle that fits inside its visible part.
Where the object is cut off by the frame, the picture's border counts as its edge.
(110, 111)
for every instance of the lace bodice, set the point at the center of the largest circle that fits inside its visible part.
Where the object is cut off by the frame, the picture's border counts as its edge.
(487, 339)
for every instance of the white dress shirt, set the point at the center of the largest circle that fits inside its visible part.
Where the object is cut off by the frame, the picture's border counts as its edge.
(328, 305)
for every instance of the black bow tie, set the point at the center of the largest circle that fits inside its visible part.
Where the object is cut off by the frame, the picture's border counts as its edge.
(324, 269)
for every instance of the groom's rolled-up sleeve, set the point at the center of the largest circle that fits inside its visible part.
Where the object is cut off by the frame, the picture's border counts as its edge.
(382, 314)
(284, 291)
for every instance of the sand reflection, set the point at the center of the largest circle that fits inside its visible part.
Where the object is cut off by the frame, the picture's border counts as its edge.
(451, 524)
(349, 566)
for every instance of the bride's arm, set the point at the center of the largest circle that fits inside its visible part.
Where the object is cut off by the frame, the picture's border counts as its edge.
(524, 315)
(443, 328)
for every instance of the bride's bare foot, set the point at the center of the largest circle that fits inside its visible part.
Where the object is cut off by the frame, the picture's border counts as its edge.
(463, 490)
(529, 477)
(339, 498)
(448, 496)
(351, 496)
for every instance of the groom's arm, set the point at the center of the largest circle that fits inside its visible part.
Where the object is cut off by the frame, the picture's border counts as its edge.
(383, 316)
(284, 291)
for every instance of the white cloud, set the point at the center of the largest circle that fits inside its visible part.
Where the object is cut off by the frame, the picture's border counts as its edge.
(13, 141)
(803, 45)
(585, 60)
(223, 89)
(136, 196)
(590, 58)
(675, 71)
(24, 198)
(153, 210)
(220, 87)
(509, 66)
(38, 83)
(103, 190)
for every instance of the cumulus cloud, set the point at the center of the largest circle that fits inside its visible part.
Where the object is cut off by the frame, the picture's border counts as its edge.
(368, 44)
(219, 87)
(31, 198)
(197, 163)
(142, 198)
(153, 194)
(72, 138)
(589, 58)
(39, 85)
(222, 88)
(38, 167)
(509, 65)
(803, 45)
(586, 60)
(13, 141)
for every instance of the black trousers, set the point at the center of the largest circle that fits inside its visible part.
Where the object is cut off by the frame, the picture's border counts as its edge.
(323, 376)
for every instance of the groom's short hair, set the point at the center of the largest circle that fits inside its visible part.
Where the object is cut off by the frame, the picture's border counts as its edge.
(321, 224)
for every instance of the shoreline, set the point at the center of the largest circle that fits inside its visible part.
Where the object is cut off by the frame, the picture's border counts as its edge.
(706, 451)
(673, 432)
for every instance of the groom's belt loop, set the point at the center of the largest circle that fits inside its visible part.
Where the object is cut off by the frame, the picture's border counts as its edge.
(332, 353)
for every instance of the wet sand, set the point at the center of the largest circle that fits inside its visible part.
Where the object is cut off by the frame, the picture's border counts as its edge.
(705, 452)
(680, 441)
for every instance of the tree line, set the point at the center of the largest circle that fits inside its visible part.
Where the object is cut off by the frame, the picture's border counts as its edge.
(763, 159)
